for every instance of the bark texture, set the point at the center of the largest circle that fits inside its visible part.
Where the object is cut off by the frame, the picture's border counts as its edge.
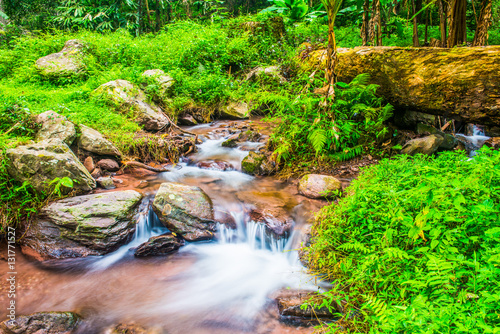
(463, 83)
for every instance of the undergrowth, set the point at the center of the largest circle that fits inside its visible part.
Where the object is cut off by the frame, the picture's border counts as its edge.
(309, 133)
(414, 246)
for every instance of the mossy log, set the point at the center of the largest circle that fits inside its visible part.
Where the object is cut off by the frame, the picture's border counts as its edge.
(461, 83)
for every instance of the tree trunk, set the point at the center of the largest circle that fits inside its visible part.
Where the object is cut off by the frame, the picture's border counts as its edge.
(457, 22)
(442, 22)
(483, 24)
(375, 33)
(139, 18)
(149, 15)
(331, 60)
(2, 20)
(426, 36)
(157, 16)
(415, 25)
(366, 23)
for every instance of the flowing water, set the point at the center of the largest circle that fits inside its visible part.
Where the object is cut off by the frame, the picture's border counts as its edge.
(223, 286)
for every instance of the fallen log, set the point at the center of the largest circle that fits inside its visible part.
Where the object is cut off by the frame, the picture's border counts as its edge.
(460, 83)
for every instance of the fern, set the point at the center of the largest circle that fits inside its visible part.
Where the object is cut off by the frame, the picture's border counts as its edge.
(317, 138)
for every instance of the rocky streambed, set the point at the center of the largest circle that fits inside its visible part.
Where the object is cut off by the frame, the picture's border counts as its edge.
(202, 248)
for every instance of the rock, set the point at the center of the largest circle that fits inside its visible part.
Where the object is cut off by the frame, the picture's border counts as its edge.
(66, 63)
(185, 210)
(460, 83)
(132, 329)
(252, 162)
(56, 126)
(119, 93)
(426, 145)
(149, 116)
(187, 120)
(273, 26)
(84, 225)
(40, 163)
(271, 208)
(235, 110)
(249, 135)
(123, 95)
(319, 186)
(215, 165)
(493, 143)
(270, 74)
(93, 141)
(289, 307)
(408, 119)
(97, 173)
(159, 245)
(106, 182)
(42, 323)
(230, 142)
(108, 164)
(449, 141)
(492, 131)
(88, 163)
(159, 78)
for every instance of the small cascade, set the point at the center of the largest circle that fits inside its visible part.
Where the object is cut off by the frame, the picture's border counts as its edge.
(147, 226)
(475, 141)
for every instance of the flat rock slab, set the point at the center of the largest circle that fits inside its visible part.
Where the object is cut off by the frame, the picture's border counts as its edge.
(40, 163)
(84, 225)
(42, 323)
(185, 210)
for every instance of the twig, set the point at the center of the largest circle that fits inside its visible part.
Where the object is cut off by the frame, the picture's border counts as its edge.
(12, 128)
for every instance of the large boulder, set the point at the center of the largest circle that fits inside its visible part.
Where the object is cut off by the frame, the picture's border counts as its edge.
(56, 126)
(65, 63)
(319, 186)
(493, 143)
(185, 210)
(84, 225)
(123, 95)
(235, 110)
(462, 83)
(42, 162)
(93, 141)
(42, 323)
(160, 245)
(426, 145)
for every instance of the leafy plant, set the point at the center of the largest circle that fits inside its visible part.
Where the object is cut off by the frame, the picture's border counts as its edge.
(295, 9)
(354, 121)
(414, 247)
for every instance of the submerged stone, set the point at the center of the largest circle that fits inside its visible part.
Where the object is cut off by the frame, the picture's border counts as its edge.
(160, 245)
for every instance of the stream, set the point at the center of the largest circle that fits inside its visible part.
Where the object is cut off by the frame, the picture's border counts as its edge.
(222, 286)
